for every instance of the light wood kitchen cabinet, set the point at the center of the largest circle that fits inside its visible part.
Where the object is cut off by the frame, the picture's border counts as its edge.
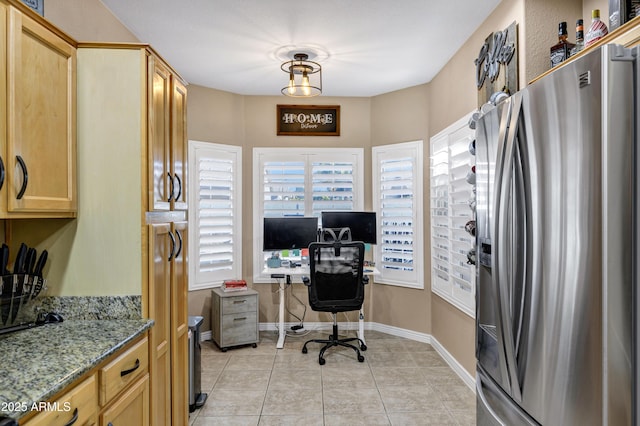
(37, 118)
(167, 139)
(132, 408)
(126, 102)
(77, 406)
(169, 348)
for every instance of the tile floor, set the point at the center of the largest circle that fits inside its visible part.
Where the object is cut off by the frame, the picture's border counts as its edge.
(401, 382)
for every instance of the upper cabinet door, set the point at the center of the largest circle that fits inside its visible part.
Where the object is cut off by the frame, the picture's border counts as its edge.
(41, 120)
(179, 143)
(162, 184)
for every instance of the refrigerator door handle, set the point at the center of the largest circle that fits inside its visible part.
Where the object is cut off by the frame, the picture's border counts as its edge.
(495, 225)
(502, 248)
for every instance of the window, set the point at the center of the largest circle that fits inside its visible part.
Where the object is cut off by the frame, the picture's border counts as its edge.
(303, 182)
(452, 203)
(397, 200)
(215, 214)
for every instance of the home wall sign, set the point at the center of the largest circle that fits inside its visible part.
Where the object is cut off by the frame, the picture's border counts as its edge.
(308, 120)
(497, 64)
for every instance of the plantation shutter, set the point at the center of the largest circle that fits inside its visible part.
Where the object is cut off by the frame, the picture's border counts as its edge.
(399, 206)
(284, 188)
(332, 186)
(216, 185)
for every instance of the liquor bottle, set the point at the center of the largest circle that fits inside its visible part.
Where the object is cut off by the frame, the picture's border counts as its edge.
(579, 37)
(597, 30)
(560, 51)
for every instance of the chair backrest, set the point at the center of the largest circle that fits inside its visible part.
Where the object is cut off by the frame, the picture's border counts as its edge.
(335, 275)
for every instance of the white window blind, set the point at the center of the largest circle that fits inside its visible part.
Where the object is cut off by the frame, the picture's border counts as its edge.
(303, 182)
(215, 214)
(397, 174)
(452, 198)
(332, 186)
(283, 187)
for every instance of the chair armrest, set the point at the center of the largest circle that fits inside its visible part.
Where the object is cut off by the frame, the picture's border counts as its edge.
(306, 281)
(365, 279)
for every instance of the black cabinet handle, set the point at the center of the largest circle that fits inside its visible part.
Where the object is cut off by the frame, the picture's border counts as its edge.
(131, 370)
(1, 173)
(172, 188)
(25, 174)
(177, 198)
(173, 246)
(73, 419)
(180, 246)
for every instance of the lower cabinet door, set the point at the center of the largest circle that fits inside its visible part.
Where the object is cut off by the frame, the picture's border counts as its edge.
(132, 408)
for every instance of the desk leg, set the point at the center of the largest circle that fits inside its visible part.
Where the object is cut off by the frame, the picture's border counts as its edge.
(282, 331)
(361, 326)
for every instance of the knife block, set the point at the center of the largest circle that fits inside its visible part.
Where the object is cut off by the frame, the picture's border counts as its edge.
(17, 295)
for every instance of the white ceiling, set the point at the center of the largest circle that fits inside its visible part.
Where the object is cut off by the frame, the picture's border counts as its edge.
(365, 47)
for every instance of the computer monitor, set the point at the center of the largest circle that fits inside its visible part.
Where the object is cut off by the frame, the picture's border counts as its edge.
(284, 233)
(361, 224)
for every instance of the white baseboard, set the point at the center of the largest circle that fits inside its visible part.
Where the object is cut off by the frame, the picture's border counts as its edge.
(464, 375)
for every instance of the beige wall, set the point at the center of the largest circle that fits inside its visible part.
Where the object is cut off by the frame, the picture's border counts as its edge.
(403, 116)
(410, 114)
(87, 20)
(453, 94)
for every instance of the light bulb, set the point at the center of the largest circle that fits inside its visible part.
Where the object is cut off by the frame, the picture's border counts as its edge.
(305, 84)
(292, 85)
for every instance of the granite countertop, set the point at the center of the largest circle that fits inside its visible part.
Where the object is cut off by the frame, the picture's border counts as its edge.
(37, 363)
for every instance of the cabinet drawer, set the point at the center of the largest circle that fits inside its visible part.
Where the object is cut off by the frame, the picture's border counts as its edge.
(232, 305)
(80, 403)
(123, 370)
(239, 328)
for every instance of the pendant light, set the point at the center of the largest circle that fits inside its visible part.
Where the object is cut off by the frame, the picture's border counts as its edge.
(305, 77)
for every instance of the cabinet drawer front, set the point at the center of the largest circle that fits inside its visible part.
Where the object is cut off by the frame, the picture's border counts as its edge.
(239, 329)
(80, 402)
(123, 370)
(232, 305)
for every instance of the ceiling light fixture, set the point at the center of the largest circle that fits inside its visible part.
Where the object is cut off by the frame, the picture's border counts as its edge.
(305, 77)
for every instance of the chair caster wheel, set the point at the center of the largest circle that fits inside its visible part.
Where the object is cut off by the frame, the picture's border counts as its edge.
(223, 349)
(255, 345)
(363, 347)
(321, 361)
(304, 350)
(360, 358)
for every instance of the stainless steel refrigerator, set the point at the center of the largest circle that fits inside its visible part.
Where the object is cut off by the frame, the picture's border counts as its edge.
(557, 248)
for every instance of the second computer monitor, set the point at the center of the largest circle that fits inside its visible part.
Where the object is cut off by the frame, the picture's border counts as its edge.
(361, 224)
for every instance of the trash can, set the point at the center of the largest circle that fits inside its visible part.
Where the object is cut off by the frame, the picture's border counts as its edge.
(196, 397)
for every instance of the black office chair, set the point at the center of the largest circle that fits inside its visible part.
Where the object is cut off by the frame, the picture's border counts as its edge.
(336, 284)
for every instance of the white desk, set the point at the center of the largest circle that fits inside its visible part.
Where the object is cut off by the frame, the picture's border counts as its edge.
(304, 271)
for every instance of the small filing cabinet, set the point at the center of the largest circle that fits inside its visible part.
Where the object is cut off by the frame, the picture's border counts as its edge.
(234, 318)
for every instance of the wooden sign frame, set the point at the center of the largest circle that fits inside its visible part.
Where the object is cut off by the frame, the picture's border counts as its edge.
(308, 120)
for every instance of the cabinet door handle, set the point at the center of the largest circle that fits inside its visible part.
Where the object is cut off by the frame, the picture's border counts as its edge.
(131, 370)
(25, 175)
(171, 185)
(73, 419)
(173, 246)
(237, 302)
(177, 197)
(1, 173)
(180, 246)
(240, 319)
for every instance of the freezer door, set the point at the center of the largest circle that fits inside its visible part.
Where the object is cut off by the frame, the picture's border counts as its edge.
(491, 131)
